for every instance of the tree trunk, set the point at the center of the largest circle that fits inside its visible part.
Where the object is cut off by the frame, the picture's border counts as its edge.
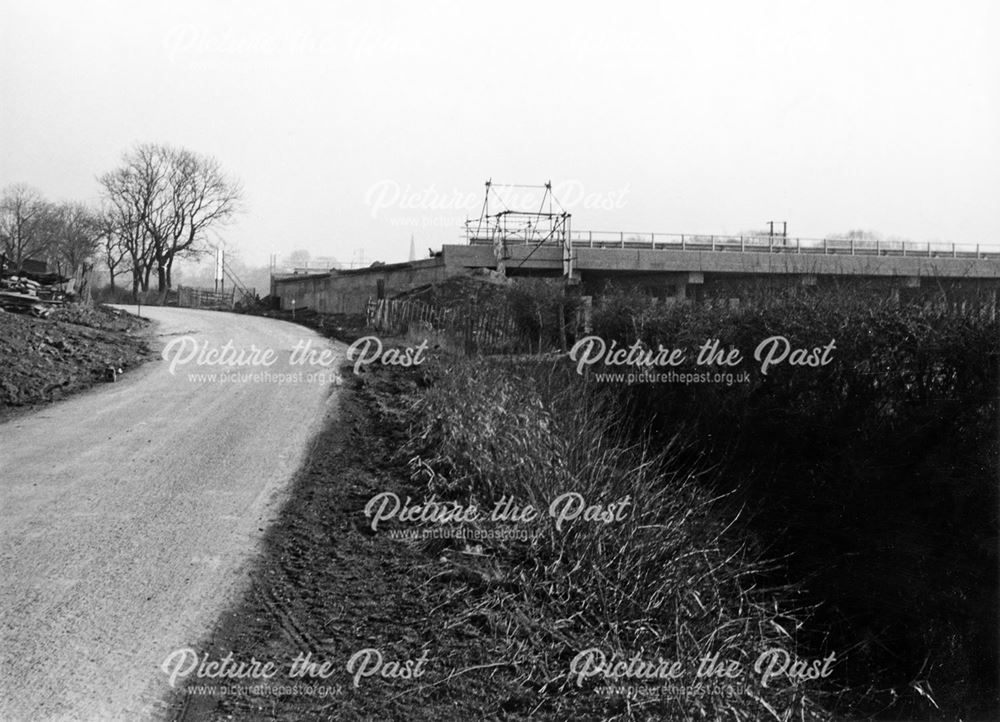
(85, 276)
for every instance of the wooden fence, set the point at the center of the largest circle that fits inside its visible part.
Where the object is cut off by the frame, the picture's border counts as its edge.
(493, 329)
(983, 308)
(475, 330)
(188, 297)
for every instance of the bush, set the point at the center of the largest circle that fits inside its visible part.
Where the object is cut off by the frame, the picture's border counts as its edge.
(124, 296)
(875, 475)
(544, 311)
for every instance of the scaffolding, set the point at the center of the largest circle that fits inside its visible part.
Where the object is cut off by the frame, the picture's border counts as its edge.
(503, 227)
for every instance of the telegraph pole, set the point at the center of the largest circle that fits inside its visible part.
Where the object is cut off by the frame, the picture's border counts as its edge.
(784, 229)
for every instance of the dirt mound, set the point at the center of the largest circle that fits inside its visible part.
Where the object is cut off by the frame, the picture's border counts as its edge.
(100, 317)
(43, 359)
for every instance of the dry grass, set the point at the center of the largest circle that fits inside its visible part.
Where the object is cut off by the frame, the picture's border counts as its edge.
(673, 579)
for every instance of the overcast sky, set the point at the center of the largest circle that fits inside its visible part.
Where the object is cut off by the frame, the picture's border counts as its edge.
(353, 125)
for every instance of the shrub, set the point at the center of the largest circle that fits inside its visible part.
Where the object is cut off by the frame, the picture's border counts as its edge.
(875, 475)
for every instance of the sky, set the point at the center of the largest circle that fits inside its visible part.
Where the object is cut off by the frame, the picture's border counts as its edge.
(354, 126)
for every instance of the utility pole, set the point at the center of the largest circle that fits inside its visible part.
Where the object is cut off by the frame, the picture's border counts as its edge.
(784, 229)
(218, 269)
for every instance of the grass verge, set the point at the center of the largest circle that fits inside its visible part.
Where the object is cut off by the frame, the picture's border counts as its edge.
(499, 618)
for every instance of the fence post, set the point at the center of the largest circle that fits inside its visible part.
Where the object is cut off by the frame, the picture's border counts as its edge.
(622, 238)
(468, 331)
(682, 241)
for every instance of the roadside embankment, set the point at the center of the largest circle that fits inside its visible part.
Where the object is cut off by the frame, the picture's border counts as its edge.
(44, 359)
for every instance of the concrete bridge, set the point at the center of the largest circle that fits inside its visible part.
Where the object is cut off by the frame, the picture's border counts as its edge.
(669, 266)
(683, 261)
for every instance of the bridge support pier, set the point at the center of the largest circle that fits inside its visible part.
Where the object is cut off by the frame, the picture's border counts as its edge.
(587, 306)
(683, 280)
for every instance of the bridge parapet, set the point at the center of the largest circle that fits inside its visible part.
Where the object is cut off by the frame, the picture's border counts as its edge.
(758, 244)
(769, 261)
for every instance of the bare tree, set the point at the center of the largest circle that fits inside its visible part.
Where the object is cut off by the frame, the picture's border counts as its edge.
(22, 210)
(203, 199)
(299, 258)
(114, 251)
(858, 237)
(126, 202)
(74, 236)
(168, 203)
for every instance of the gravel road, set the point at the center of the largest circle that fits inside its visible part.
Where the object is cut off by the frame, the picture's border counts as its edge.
(128, 514)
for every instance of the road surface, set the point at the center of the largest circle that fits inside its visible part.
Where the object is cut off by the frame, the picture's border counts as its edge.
(128, 514)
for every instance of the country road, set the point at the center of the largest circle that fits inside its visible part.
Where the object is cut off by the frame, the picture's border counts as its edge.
(128, 514)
